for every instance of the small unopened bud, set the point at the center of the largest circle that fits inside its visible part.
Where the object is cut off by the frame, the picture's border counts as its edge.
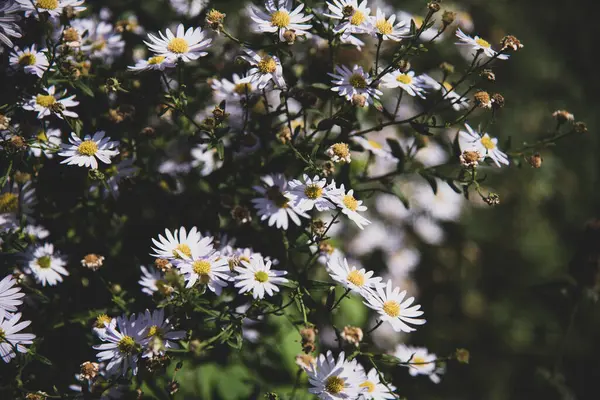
(359, 100)
(488, 74)
(116, 288)
(462, 356)
(580, 127)
(328, 168)
(4, 122)
(448, 17)
(289, 36)
(403, 66)
(241, 214)
(89, 370)
(352, 335)
(92, 261)
(215, 19)
(220, 114)
(497, 101)
(447, 67)
(535, 160)
(163, 264)
(470, 158)
(493, 199)
(563, 116)
(511, 43)
(434, 6)
(308, 334)
(482, 99)
(112, 85)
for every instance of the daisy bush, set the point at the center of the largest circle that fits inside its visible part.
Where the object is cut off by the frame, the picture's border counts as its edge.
(205, 199)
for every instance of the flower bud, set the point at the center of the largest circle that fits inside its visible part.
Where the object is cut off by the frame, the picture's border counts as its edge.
(563, 116)
(511, 43)
(470, 158)
(434, 6)
(462, 356)
(89, 370)
(488, 74)
(482, 99)
(448, 17)
(580, 127)
(359, 100)
(215, 19)
(163, 264)
(289, 36)
(92, 261)
(447, 67)
(497, 101)
(352, 335)
(535, 160)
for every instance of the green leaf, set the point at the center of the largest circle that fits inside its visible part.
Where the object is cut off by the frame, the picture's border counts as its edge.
(84, 88)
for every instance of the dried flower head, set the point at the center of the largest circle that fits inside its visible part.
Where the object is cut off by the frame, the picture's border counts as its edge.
(448, 17)
(352, 335)
(328, 168)
(462, 356)
(92, 261)
(219, 114)
(470, 158)
(18, 143)
(36, 396)
(215, 19)
(511, 43)
(71, 37)
(482, 99)
(318, 227)
(289, 36)
(563, 116)
(580, 127)
(89, 370)
(284, 135)
(241, 214)
(403, 66)
(535, 160)
(492, 199)
(359, 100)
(339, 152)
(497, 101)
(22, 177)
(162, 264)
(4, 122)
(148, 131)
(308, 334)
(305, 361)
(488, 74)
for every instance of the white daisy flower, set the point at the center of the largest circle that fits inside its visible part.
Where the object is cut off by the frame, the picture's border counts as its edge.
(374, 147)
(36, 232)
(125, 337)
(308, 193)
(156, 63)
(101, 41)
(478, 44)
(275, 205)
(239, 87)
(404, 81)
(49, 103)
(53, 7)
(184, 45)
(374, 388)
(280, 18)
(159, 333)
(350, 206)
(46, 265)
(10, 294)
(392, 307)
(84, 152)
(354, 17)
(486, 145)
(47, 143)
(258, 277)
(264, 69)
(182, 245)
(421, 362)
(10, 338)
(458, 101)
(212, 271)
(358, 280)
(333, 379)
(353, 82)
(206, 159)
(8, 22)
(148, 281)
(387, 29)
(16, 200)
(29, 60)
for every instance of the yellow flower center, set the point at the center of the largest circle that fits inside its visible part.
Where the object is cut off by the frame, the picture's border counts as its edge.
(277, 197)
(358, 81)
(280, 18)
(2, 335)
(183, 249)
(154, 331)
(9, 202)
(91, 259)
(126, 345)
(341, 150)
(101, 320)
(384, 27)
(178, 46)
(42, 137)
(334, 384)
(356, 277)
(47, 4)
(99, 45)
(486, 141)
(45, 100)
(375, 144)
(88, 148)
(27, 59)
(417, 360)
(483, 43)
(261, 276)
(313, 191)
(392, 308)
(404, 78)
(267, 65)
(358, 18)
(448, 86)
(350, 202)
(369, 385)
(44, 262)
(156, 60)
(418, 21)
(242, 88)
(201, 267)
